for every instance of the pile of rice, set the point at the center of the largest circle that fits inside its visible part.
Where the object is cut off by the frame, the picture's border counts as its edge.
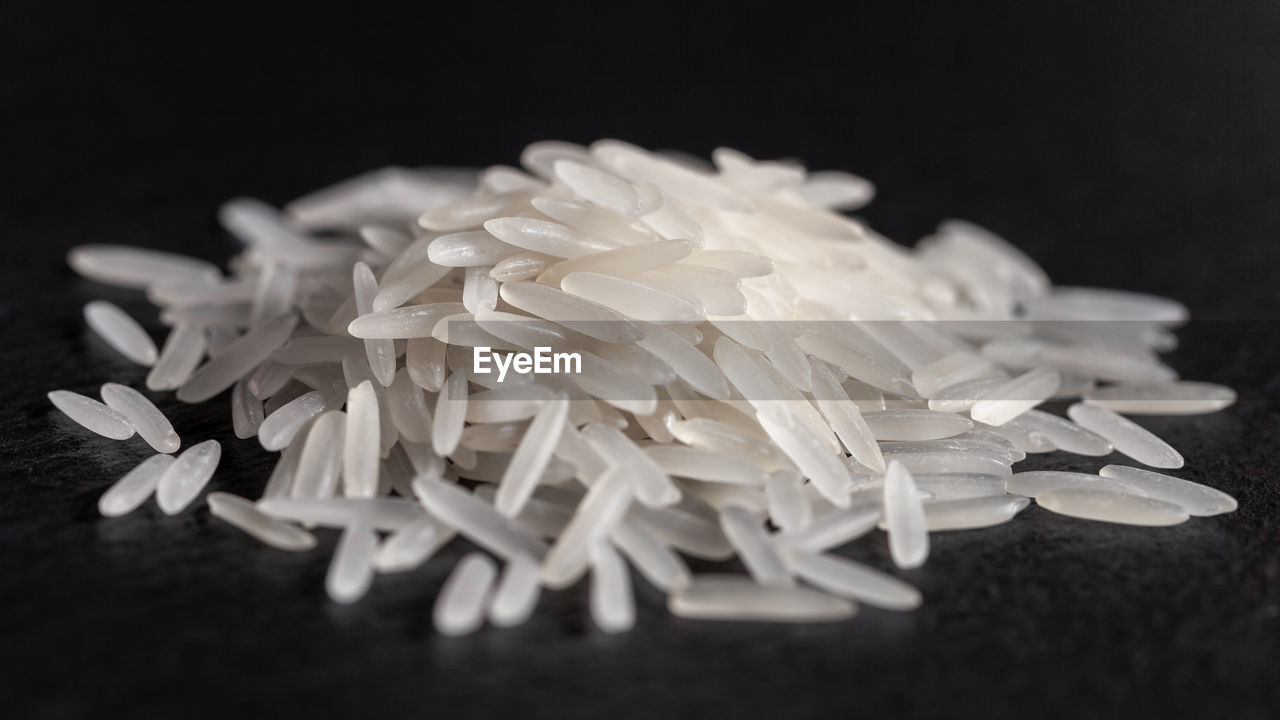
(763, 379)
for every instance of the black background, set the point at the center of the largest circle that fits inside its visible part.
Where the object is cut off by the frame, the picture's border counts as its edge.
(1130, 145)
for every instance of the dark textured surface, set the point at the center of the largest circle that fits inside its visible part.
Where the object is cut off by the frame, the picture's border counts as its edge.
(1140, 149)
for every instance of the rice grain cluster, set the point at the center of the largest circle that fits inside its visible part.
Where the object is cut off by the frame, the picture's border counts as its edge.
(763, 380)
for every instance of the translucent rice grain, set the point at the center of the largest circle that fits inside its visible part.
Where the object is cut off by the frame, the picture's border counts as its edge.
(971, 513)
(121, 332)
(246, 411)
(280, 484)
(915, 424)
(516, 594)
(474, 248)
(130, 491)
(146, 418)
(479, 291)
(905, 518)
(246, 516)
(612, 602)
(1003, 452)
(705, 465)
(1024, 438)
(389, 514)
(852, 580)
(598, 513)
(280, 427)
(754, 549)
(451, 413)
(361, 444)
(543, 236)
(1065, 434)
(961, 396)
(237, 360)
(320, 464)
(622, 261)
(476, 519)
(409, 322)
(93, 415)
(381, 353)
(854, 433)
(274, 293)
(1198, 500)
(709, 295)
(424, 360)
(1033, 483)
(182, 351)
(716, 436)
(411, 545)
(833, 529)
(133, 267)
(651, 485)
(1168, 398)
(711, 597)
(1127, 436)
(1110, 506)
(607, 191)
(636, 301)
(656, 562)
(187, 476)
(587, 317)
(351, 570)
(960, 486)
(408, 409)
(461, 606)
(789, 508)
(951, 462)
(1002, 403)
(531, 456)
(521, 266)
(808, 452)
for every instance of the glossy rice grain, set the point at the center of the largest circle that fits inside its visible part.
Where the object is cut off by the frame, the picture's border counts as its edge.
(1110, 506)
(146, 418)
(1127, 436)
(130, 491)
(93, 415)
(187, 476)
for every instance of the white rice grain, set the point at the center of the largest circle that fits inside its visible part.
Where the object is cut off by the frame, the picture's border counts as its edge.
(182, 351)
(135, 487)
(1198, 500)
(905, 518)
(146, 418)
(187, 476)
(612, 603)
(461, 606)
(752, 543)
(89, 413)
(121, 332)
(1127, 436)
(351, 570)
(1109, 506)
(852, 580)
(361, 442)
(1167, 398)
(711, 597)
(246, 516)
